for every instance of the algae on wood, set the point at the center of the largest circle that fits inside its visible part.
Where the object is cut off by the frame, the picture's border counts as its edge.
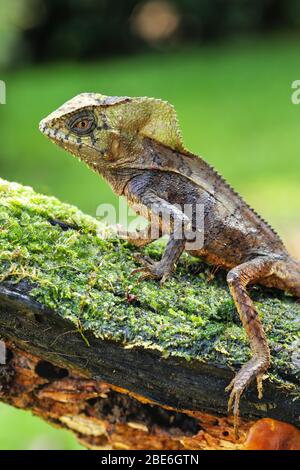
(180, 343)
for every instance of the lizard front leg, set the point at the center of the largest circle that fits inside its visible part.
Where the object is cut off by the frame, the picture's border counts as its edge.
(141, 238)
(238, 279)
(162, 269)
(170, 219)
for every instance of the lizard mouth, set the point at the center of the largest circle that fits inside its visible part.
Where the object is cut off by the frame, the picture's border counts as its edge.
(43, 126)
(47, 130)
(51, 132)
(75, 147)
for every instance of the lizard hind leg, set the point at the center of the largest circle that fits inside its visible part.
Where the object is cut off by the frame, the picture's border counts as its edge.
(238, 279)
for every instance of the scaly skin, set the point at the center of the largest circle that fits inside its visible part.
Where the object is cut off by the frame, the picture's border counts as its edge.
(135, 144)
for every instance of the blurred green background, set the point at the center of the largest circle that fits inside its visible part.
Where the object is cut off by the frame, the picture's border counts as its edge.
(228, 68)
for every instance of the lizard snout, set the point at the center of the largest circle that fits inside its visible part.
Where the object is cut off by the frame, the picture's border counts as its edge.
(43, 127)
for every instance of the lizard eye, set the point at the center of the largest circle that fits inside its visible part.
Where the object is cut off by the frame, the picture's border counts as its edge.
(82, 124)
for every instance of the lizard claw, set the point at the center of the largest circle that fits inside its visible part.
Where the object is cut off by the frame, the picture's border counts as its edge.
(259, 380)
(239, 384)
(137, 270)
(146, 274)
(234, 403)
(150, 269)
(165, 277)
(144, 260)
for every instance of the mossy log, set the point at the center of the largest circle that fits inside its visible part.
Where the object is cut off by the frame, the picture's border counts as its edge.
(127, 365)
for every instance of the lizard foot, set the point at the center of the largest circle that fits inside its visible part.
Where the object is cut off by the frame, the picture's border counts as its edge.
(151, 269)
(234, 403)
(251, 370)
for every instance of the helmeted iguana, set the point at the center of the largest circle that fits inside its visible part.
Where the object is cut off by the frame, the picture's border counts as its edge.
(135, 144)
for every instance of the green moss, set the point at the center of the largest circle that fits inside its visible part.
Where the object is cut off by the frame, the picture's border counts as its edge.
(86, 278)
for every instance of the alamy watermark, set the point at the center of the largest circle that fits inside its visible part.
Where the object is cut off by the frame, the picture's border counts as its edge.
(2, 92)
(295, 97)
(181, 221)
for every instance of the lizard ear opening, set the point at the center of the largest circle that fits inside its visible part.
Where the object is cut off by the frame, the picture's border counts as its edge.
(158, 120)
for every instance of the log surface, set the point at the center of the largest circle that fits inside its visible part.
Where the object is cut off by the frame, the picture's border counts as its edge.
(157, 356)
(171, 382)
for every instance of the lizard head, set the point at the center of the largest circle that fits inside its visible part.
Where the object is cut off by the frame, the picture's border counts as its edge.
(83, 126)
(109, 132)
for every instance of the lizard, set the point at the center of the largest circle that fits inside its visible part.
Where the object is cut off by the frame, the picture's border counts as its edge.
(136, 145)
